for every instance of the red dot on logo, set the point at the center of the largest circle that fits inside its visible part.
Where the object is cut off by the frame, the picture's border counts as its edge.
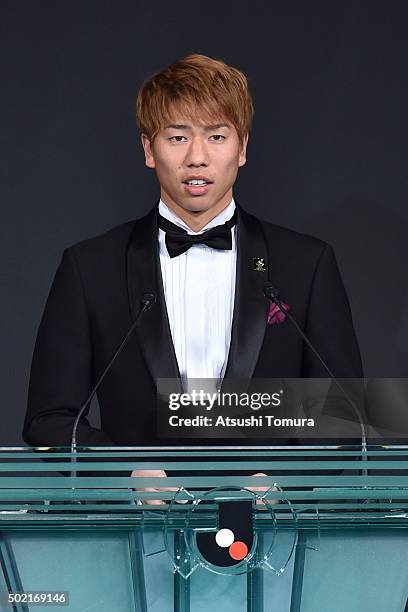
(238, 550)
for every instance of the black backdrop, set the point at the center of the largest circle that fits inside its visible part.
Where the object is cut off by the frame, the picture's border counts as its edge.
(327, 154)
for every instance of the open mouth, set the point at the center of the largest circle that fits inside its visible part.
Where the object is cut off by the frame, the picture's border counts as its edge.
(197, 186)
(197, 182)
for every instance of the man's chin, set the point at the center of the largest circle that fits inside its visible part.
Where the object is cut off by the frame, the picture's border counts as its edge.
(197, 204)
(193, 204)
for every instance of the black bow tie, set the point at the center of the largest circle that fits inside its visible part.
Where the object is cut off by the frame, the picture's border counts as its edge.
(178, 241)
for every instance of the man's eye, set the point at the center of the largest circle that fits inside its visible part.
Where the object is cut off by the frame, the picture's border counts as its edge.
(176, 138)
(218, 137)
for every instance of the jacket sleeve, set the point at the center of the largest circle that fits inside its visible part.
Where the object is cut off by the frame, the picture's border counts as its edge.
(329, 324)
(61, 371)
(330, 329)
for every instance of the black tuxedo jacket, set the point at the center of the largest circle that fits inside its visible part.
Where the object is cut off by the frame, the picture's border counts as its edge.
(97, 292)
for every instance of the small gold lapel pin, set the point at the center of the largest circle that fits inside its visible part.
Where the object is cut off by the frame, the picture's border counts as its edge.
(259, 264)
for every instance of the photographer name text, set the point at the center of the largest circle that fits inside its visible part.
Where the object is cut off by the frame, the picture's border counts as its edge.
(268, 420)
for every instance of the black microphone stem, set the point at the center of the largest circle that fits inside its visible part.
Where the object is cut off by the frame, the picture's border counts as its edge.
(148, 299)
(272, 294)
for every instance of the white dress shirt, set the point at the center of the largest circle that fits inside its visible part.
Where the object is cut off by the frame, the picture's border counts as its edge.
(199, 288)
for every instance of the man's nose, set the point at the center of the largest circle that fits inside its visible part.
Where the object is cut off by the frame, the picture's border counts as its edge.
(197, 154)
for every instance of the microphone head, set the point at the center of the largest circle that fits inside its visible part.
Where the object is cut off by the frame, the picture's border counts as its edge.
(271, 292)
(148, 299)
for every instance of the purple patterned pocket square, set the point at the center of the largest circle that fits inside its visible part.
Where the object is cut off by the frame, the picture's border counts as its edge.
(275, 315)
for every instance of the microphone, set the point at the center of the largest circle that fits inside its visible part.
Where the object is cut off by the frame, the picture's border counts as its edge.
(272, 294)
(147, 301)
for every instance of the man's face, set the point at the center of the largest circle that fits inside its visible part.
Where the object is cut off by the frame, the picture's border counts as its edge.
(196, 163)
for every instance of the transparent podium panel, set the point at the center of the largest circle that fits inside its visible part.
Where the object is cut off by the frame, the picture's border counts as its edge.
(359, 571)
(93, 568)
(325, 530)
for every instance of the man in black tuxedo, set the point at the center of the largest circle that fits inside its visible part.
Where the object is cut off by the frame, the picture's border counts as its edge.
(206, 260)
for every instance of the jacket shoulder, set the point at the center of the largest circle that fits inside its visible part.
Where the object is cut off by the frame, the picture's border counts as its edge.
(289, 239)
(113, 239)
(112, 242)
(284, 234)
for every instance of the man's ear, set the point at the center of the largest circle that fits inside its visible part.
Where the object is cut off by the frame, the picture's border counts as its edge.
(148, 151)
(242, 153)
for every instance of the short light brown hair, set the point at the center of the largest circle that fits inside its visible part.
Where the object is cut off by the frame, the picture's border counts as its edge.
(195, 86)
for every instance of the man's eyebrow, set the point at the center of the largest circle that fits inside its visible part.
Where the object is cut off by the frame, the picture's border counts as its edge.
(181, 126)
(216, 126)
(177, 126)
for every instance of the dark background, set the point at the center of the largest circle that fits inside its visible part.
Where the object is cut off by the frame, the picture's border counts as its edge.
(327, 154)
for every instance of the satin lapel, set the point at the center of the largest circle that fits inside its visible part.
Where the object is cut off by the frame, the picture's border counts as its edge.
(250, 306)
(144, 276)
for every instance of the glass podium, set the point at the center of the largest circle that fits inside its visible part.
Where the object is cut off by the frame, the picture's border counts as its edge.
(328, 532)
